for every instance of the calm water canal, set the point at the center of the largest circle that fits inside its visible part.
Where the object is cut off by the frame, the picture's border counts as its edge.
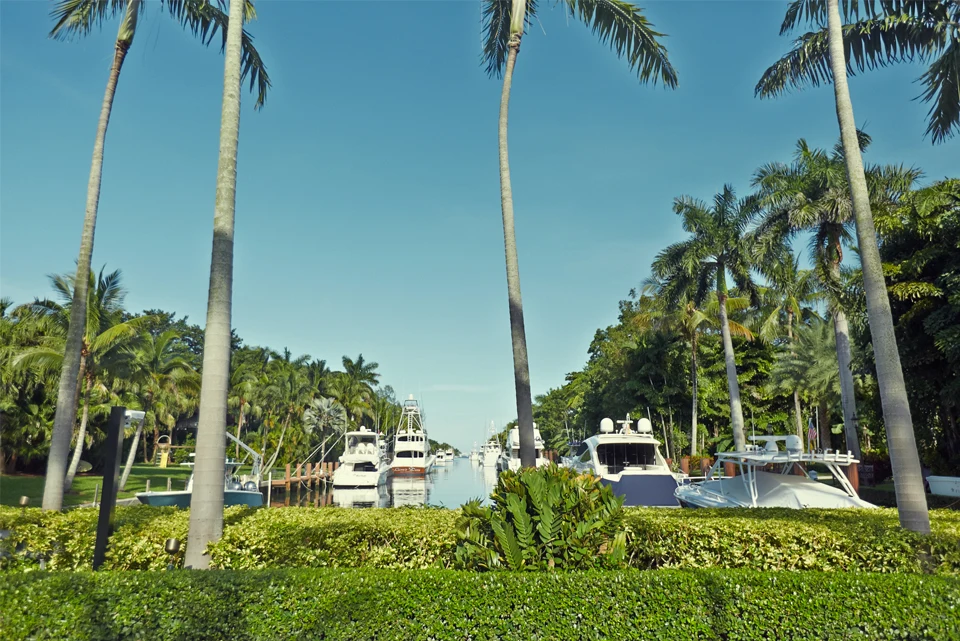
(449, 485)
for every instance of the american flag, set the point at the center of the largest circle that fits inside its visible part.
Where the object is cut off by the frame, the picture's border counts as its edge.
(811, 434)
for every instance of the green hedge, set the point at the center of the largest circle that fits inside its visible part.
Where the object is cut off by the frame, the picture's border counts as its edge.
(407, 538)
(446, 605)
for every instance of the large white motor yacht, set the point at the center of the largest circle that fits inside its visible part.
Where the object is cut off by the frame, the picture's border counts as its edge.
(411, 448)
(491, 449)
(362, 464)
(630, 462)
(770, 477)
(510, 456)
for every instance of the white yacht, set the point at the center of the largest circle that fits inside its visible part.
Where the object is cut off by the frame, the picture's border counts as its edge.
(789, 484)
(510, 456)
(475, 453)
(451, 455)
(630, 462)
(411, 448)
(491, 449)
(441, 457)
(361, 464)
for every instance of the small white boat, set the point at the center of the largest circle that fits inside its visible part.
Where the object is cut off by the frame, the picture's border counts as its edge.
(361, 464)
(475, 453)
(441, 457)
(944, 485)
(766, 477)
(451, 455)
(630, 462)
(411, 447)
(510, 456)
(237, 489)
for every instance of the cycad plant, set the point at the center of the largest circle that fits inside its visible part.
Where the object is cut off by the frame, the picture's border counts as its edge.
(544, 518)
(631, 36)
(203, 18)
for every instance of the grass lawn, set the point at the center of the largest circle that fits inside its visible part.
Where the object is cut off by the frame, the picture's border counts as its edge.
(13, 487)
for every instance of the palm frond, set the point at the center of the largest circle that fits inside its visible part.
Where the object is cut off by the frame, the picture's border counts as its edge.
(79, 17)
(942, 88)
(495, 16)
(630, 35)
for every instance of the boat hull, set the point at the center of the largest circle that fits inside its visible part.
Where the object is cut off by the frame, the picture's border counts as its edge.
(944, 485)
(645, 490)
(182, 499)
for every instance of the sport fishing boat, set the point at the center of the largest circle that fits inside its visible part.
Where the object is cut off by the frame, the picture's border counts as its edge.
(491, 449)
(361, 464)
(451, 455)
(237, 489)
(770, 477)
(630, 462)
(441, 457)
(411, 447)
(510, 456)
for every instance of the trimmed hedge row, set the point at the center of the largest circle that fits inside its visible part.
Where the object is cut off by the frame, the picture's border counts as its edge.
(410, 538)
(445, 604)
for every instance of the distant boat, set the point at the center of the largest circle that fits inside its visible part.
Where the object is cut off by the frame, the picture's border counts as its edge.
(475, 453)
(756, 486)
(491, 449)
(630, 462)
(441, 457)
(362, 464)
(510, 456)
(411, 447)
(237, 490)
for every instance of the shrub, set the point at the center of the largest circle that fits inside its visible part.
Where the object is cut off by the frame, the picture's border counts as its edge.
(774, 539)
(543, 518)
(447, 605)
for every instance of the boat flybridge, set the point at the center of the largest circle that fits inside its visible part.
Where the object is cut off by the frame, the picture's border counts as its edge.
(630, 462)
(411, 448)
(491, 449)
(362, 463)
(770, 477)
(510, 456)
(237, 489)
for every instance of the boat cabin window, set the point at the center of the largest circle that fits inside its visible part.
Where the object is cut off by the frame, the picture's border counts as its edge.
(366, 466)
(409, 454)
(617, 456)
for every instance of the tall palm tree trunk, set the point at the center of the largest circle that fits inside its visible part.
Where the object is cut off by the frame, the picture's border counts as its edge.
(695, 404)
(908, 480)
(81, 434)
(841, 330)
(66, 413)
(736, 410)
(206, 505)
(521, 367)
(796, 393)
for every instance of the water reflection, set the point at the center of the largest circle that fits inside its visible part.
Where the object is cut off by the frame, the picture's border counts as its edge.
(449, 485)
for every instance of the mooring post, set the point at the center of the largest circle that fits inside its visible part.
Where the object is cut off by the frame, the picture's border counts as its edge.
(269, 487)
(286, 486)
(169, 484)
(148, 486)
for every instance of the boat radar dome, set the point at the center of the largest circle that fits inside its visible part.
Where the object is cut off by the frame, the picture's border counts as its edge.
(794, 444)
(606, 426)
(644, 426)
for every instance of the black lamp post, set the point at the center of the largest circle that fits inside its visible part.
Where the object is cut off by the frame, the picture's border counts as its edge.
(172, 546)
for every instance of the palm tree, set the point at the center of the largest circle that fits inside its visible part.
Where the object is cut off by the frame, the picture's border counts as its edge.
(718, 247)
(244, 385)
(80, 17)
(206, 509)
(630, 36)
(904, 458)
(888, 33)
(102, 339)
(325, 415)
(158, 368)
(812, 195)
(361, 371)
(791, 288)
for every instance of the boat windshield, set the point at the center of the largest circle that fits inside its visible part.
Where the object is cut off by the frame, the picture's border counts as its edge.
(616, 456)
(362, 445)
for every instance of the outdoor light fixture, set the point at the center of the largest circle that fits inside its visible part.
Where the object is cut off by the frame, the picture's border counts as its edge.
(24, 502)
(172, 546)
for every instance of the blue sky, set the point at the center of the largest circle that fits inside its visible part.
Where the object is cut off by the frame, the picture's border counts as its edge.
(368, 214)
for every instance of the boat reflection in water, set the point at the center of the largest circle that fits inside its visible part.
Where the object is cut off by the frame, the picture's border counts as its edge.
(408, 490)
(361, 497)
